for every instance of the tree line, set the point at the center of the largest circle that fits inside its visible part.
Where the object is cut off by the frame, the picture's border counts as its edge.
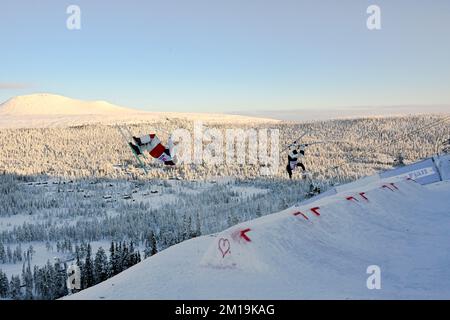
(50, 281)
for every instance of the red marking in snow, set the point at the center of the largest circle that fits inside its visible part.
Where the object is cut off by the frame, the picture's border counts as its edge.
(243, 234)
(224, 246)
(352, 198)
(392, 184)
(316, 210)
(362, 194)
(386, 186)
(301, 213)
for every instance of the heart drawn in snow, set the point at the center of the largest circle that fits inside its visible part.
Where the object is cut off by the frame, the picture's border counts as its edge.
(224, 246)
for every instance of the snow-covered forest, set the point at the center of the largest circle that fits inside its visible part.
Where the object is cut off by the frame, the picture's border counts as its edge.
(359, 147)
(154, 215)
(68, 188)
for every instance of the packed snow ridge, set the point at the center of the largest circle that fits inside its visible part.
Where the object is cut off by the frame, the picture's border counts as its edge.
(319, 249)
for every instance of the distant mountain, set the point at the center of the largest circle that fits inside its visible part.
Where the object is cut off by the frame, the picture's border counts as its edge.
(51, 110)
(52, 104)
(323, 114)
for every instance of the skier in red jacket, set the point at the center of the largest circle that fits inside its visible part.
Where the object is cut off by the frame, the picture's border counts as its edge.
(152, 144)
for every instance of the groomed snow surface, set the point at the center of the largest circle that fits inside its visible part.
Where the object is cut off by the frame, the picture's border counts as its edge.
(299, 254)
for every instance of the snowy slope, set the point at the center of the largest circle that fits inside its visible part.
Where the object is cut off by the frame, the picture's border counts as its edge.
(50, 110)
(296, 254)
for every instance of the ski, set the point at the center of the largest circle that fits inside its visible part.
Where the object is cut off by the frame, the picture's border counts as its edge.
(318, 142)
(312, 143)
(295, 141)
(124, 132)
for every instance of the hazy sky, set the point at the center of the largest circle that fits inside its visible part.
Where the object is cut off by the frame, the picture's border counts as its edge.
(191, 55)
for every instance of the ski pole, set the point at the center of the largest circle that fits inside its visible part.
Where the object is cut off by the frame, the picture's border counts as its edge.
(134, 153)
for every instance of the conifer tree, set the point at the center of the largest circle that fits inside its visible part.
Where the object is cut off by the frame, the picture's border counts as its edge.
(101, 268)
(14, 288)
(27, 279)
(4, 285)
(153, 244)
(88, 269)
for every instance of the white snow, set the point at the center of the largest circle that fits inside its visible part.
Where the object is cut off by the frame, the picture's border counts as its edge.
(50, 110)
(402, 228)
(8, 223)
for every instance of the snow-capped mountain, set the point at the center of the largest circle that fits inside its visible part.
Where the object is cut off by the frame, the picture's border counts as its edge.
(50, 110)
(324, 248)
(51, 104)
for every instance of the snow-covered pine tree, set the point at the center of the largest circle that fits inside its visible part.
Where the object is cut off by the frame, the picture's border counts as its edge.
(27, 280)
(198, 226)
(101, 267)
(88, 270)
(14, 288)
(187, 228)
(112, 260)
(4, 285)
(80, 264)
(2, 253)
(154, 244)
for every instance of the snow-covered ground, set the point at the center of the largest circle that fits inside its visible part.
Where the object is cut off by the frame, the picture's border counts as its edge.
(296, 254)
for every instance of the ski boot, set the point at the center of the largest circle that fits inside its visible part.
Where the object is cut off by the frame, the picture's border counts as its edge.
(137, 141)
(135, 148)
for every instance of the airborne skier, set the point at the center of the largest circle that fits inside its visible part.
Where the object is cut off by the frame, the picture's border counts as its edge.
(152, 144)
(293, 158)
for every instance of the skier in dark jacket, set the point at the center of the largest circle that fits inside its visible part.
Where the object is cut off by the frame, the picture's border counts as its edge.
(293, 158)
